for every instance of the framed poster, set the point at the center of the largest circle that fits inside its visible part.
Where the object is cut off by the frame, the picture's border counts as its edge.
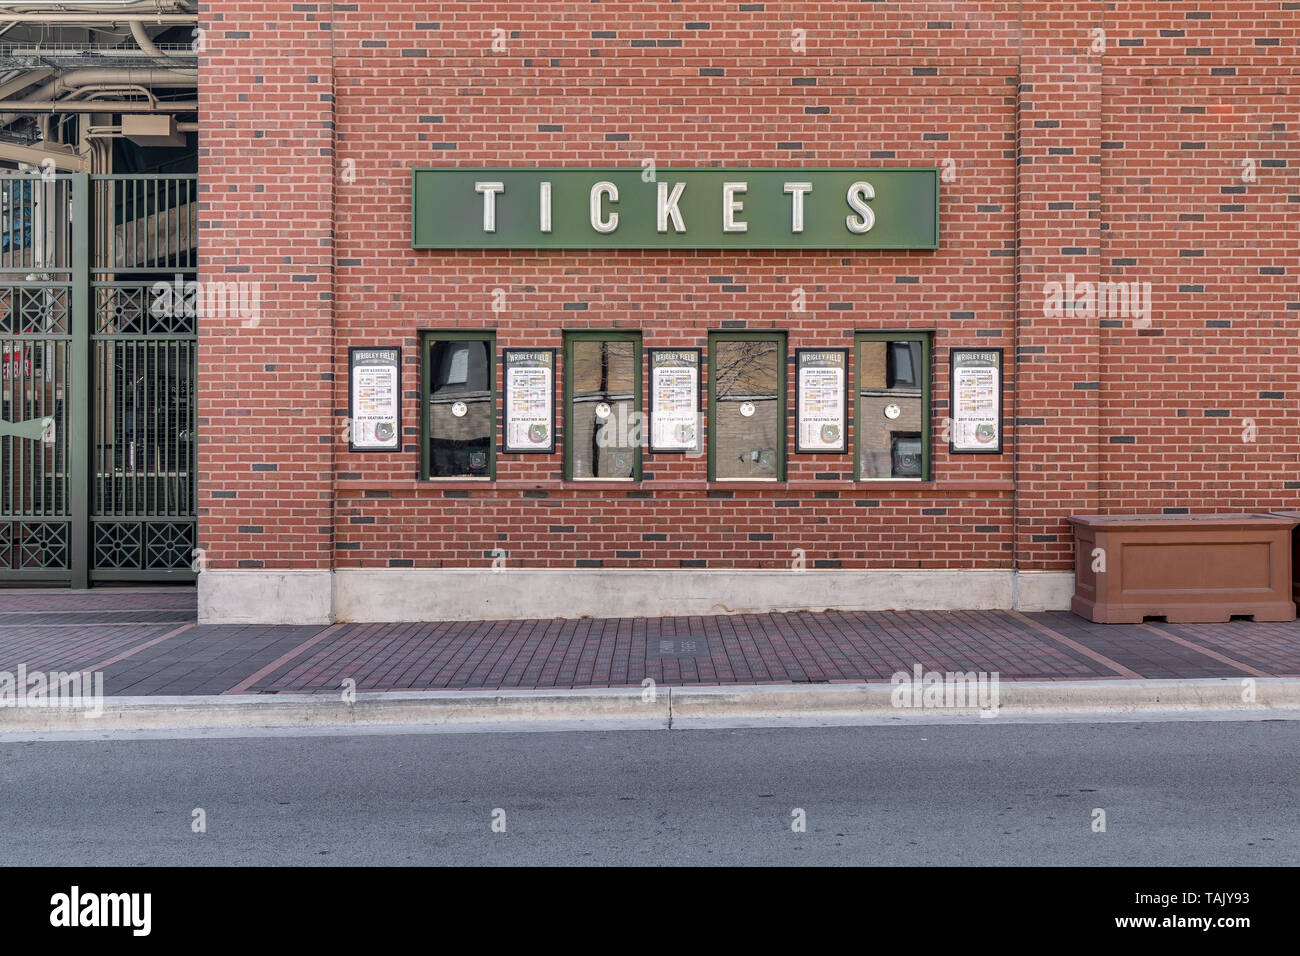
(821, 401)
(375, 398)
(975, 391)
(528, 401)
(675, 420)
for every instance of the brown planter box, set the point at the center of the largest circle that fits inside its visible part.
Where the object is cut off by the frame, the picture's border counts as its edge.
(1295, 552)
(1185, 568)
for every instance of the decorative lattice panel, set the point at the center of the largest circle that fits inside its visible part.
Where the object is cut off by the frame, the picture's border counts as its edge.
(117, 545)
(34, 310)
(168, 546)
(42, 544)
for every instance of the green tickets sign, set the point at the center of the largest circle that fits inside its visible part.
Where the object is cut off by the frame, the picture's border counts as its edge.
(715, 208)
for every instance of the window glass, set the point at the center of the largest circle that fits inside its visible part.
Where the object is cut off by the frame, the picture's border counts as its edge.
(602, 432)
(904, 360)
(462, 408)
(890, 423)
(747, 417)
(456, 363)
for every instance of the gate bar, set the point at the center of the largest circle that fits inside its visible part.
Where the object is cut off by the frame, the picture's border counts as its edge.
(77, 405)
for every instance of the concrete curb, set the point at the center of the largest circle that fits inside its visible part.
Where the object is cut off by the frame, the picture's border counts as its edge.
(1014, 697)
(627, 707)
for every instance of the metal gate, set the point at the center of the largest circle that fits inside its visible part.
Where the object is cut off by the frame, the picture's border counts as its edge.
(97, 345)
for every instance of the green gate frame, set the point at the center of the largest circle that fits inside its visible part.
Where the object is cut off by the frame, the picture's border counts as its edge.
(105, 263)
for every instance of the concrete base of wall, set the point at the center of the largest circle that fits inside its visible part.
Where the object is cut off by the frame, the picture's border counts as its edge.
(1044, 590)
(473, 594)
(266, 597)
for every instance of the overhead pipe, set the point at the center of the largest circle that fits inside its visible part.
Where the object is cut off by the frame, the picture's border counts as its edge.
(145, 5)
(100, 106)
(144, 43)
(64, 160)
(109, 18)
(181, 126)
(95, 94)
(43, 99)
(33, 50)
(128, 75)
(23, 79)
(91, 88)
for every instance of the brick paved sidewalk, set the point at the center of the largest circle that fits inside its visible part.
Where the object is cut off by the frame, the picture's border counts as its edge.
(147, 642)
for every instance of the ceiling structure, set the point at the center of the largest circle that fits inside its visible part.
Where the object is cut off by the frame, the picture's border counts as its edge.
(75, 77)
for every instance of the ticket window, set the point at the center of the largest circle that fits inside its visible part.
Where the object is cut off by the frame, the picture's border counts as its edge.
(603, 401)
(461, 406)
(747, 406)
(892, 424)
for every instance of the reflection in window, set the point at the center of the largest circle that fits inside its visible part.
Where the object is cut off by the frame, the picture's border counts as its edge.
(602, 432)
(746, 423)
(462, 408)
(904, 361)
(455, 363)
(891, 409)
(905, 454)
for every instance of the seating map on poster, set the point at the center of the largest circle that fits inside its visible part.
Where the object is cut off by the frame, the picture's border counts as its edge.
(822, 406)
(976, 401)
(375, 414)
(529, 404)
(675, 400)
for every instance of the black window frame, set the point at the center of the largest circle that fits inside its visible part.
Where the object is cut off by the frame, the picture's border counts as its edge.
(427, 338)
(926, 369)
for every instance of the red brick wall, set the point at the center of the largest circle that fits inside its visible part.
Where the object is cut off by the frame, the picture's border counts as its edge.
(1058, 121)
(266, 201)
(1193, 90)
(1012, 98)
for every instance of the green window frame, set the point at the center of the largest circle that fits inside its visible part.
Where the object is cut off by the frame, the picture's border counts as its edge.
(779, 338)
(862, 397)
(427, 338)
(571, 339)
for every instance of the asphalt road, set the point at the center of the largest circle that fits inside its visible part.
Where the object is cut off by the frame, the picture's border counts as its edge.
(1186, 793)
